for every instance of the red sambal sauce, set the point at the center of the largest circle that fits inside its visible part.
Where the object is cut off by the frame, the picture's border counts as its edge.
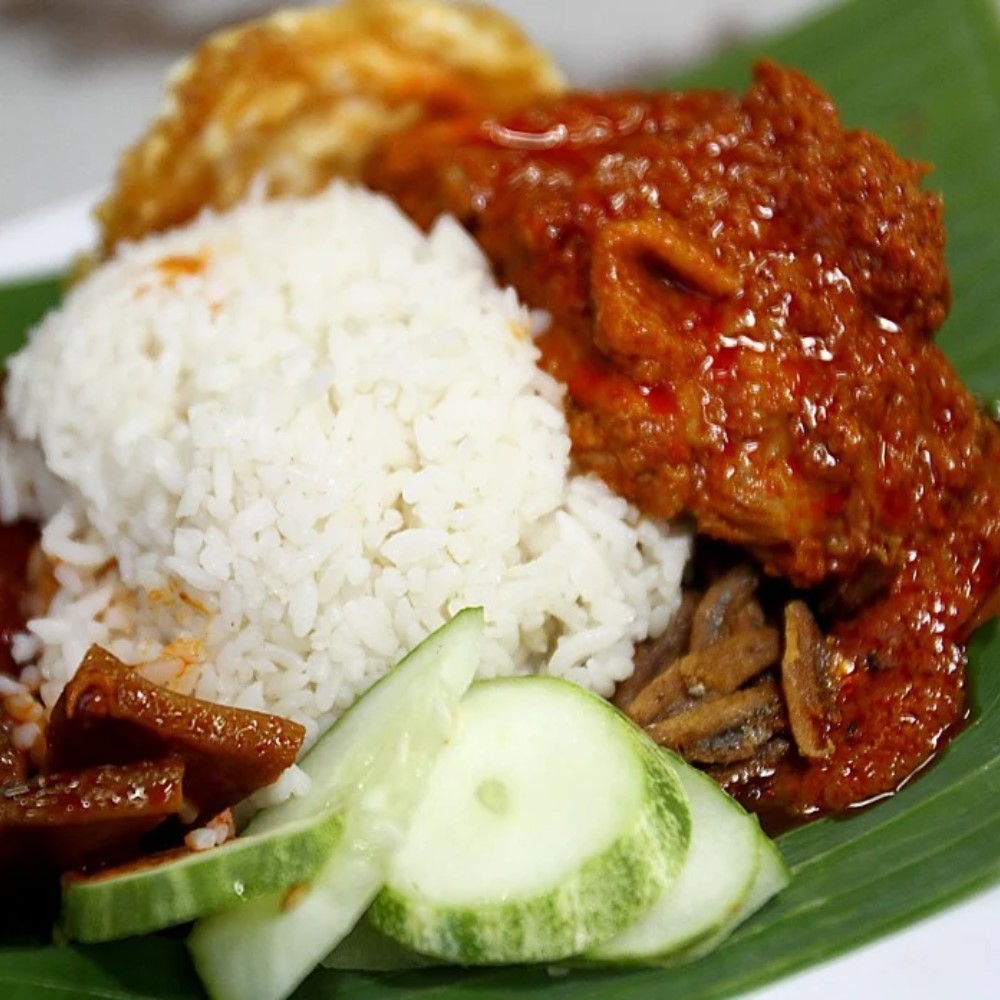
(743, 297)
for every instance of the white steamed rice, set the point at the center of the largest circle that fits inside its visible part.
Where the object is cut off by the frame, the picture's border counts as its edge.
(273, 450)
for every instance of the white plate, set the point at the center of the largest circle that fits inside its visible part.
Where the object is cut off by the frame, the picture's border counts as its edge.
(947, 955)
(45, 241)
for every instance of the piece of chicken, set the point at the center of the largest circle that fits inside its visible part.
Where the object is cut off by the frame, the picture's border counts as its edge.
(292, 100)
(743, 296)
(741, 292)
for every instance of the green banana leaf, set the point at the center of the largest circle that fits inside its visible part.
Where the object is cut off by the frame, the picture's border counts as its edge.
(926, 75)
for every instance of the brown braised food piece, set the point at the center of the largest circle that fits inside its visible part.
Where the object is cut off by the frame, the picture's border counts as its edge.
(108, 713)
(743, 296)
(94, 816)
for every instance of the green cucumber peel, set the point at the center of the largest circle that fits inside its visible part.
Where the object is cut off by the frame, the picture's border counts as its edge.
(565, 913)
(139, 900)
(373, 764)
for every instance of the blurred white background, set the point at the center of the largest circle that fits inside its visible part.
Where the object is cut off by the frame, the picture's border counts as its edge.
(80, 78)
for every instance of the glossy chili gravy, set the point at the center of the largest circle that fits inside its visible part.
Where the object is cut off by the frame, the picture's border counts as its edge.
(743, 297)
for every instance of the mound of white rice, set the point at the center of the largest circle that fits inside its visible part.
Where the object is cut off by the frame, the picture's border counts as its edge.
(275, 449)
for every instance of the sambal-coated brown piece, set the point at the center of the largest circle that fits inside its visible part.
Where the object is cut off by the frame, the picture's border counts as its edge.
(95, 816)
(741, 292)
(109, 713)
(743, 296)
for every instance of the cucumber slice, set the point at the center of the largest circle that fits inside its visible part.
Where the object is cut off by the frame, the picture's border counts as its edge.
(263, 950)
(549, 823)
(664, 933)
(716, 879)
(412, 705)
(148, 896)
(288, 843)
(772, 876)
(373, 765)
